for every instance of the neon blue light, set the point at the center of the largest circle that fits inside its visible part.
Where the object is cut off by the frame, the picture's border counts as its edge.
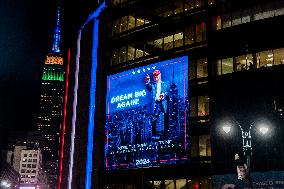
(88, 178)
(56, 36)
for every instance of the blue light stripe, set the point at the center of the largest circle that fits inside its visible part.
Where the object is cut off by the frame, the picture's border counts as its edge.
(88, 179)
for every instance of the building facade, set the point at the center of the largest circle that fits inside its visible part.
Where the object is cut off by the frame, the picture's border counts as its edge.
(50, 112)
(228, 46)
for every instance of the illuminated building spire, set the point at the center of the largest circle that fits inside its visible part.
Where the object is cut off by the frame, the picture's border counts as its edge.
(56, 35)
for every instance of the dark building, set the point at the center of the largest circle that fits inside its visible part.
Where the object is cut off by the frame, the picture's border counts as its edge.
(50, 112)
(223, 60)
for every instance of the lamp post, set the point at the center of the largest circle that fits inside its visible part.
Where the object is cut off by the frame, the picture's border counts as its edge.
(246, 142)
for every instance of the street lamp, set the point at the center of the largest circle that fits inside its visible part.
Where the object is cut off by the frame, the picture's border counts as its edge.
(246, 140)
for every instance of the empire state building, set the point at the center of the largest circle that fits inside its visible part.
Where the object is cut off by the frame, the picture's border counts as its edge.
(51, 106)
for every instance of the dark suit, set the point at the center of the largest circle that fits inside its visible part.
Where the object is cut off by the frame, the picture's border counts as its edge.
(159, 105)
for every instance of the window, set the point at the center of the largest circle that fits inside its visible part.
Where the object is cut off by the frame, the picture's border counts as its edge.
(168, 42)
(25, 155)
(217, 23)
(266, 58)
(189, 35)
(257, 12)
(178, 6)
(23, 170)
(203, 105)
(240, 63)
(204, 145)
(236, 18)
(193, 107)
(131, 52)
(24, 165)
(29, 165)
(200, 32)
(226, 20)
(33, 166)
(115, 57)
(192, 70)
(278, 56)
(188, 4)
(227, 65)
(35, 155)
(194, 146)
(178, 39)
(30, 155)
(122, 54)
(202, 68)
(246, 15)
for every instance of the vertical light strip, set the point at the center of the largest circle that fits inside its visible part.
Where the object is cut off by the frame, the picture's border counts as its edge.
(70, 175)
(184, 101)
(64, 121)
(94, 16)
(92, 106)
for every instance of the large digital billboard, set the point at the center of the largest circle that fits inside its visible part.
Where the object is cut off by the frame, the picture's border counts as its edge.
(147, 115)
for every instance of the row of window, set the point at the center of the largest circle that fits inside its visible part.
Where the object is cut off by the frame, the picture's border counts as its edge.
(182, 37)
(29, 160)
(150, 14)
(190, 183)
(28, 171)
(30, 155)
(29, 165)
(257, 12)
(250, 61)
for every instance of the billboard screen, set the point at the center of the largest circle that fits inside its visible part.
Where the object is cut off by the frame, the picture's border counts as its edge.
(27, 187)
(147, 115)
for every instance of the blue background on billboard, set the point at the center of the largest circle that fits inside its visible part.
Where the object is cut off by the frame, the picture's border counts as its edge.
(141, 131)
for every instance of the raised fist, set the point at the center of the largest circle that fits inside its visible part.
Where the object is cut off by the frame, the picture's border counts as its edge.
(162, 96)
(147, 78)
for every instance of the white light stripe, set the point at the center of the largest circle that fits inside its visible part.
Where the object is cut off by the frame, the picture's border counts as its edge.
(70, 176)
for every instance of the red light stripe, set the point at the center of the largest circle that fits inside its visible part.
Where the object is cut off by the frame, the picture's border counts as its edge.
(64, 122)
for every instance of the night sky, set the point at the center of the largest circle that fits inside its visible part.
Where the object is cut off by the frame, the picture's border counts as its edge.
(25, 39)
(26, 36)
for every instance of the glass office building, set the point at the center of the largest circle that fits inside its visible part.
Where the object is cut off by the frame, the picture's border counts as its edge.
(223, 61)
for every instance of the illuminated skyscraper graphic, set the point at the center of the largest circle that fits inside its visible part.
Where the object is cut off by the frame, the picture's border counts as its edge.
(51, 106)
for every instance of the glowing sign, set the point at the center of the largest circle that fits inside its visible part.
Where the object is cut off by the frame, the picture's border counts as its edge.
(54, 60)
(147, 110)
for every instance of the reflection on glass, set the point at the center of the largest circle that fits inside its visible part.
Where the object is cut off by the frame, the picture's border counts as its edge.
(226, 20)
(115, 57)
(200, 32)
(203, 105)
(278, 56)
(122, 54)
(178, 39)
(240, 63)
(204, 145)
(189, 35)
(202, 68)
(180, 183)
(227, 65)
(131, 52)
(266, 58)
(168, 42)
